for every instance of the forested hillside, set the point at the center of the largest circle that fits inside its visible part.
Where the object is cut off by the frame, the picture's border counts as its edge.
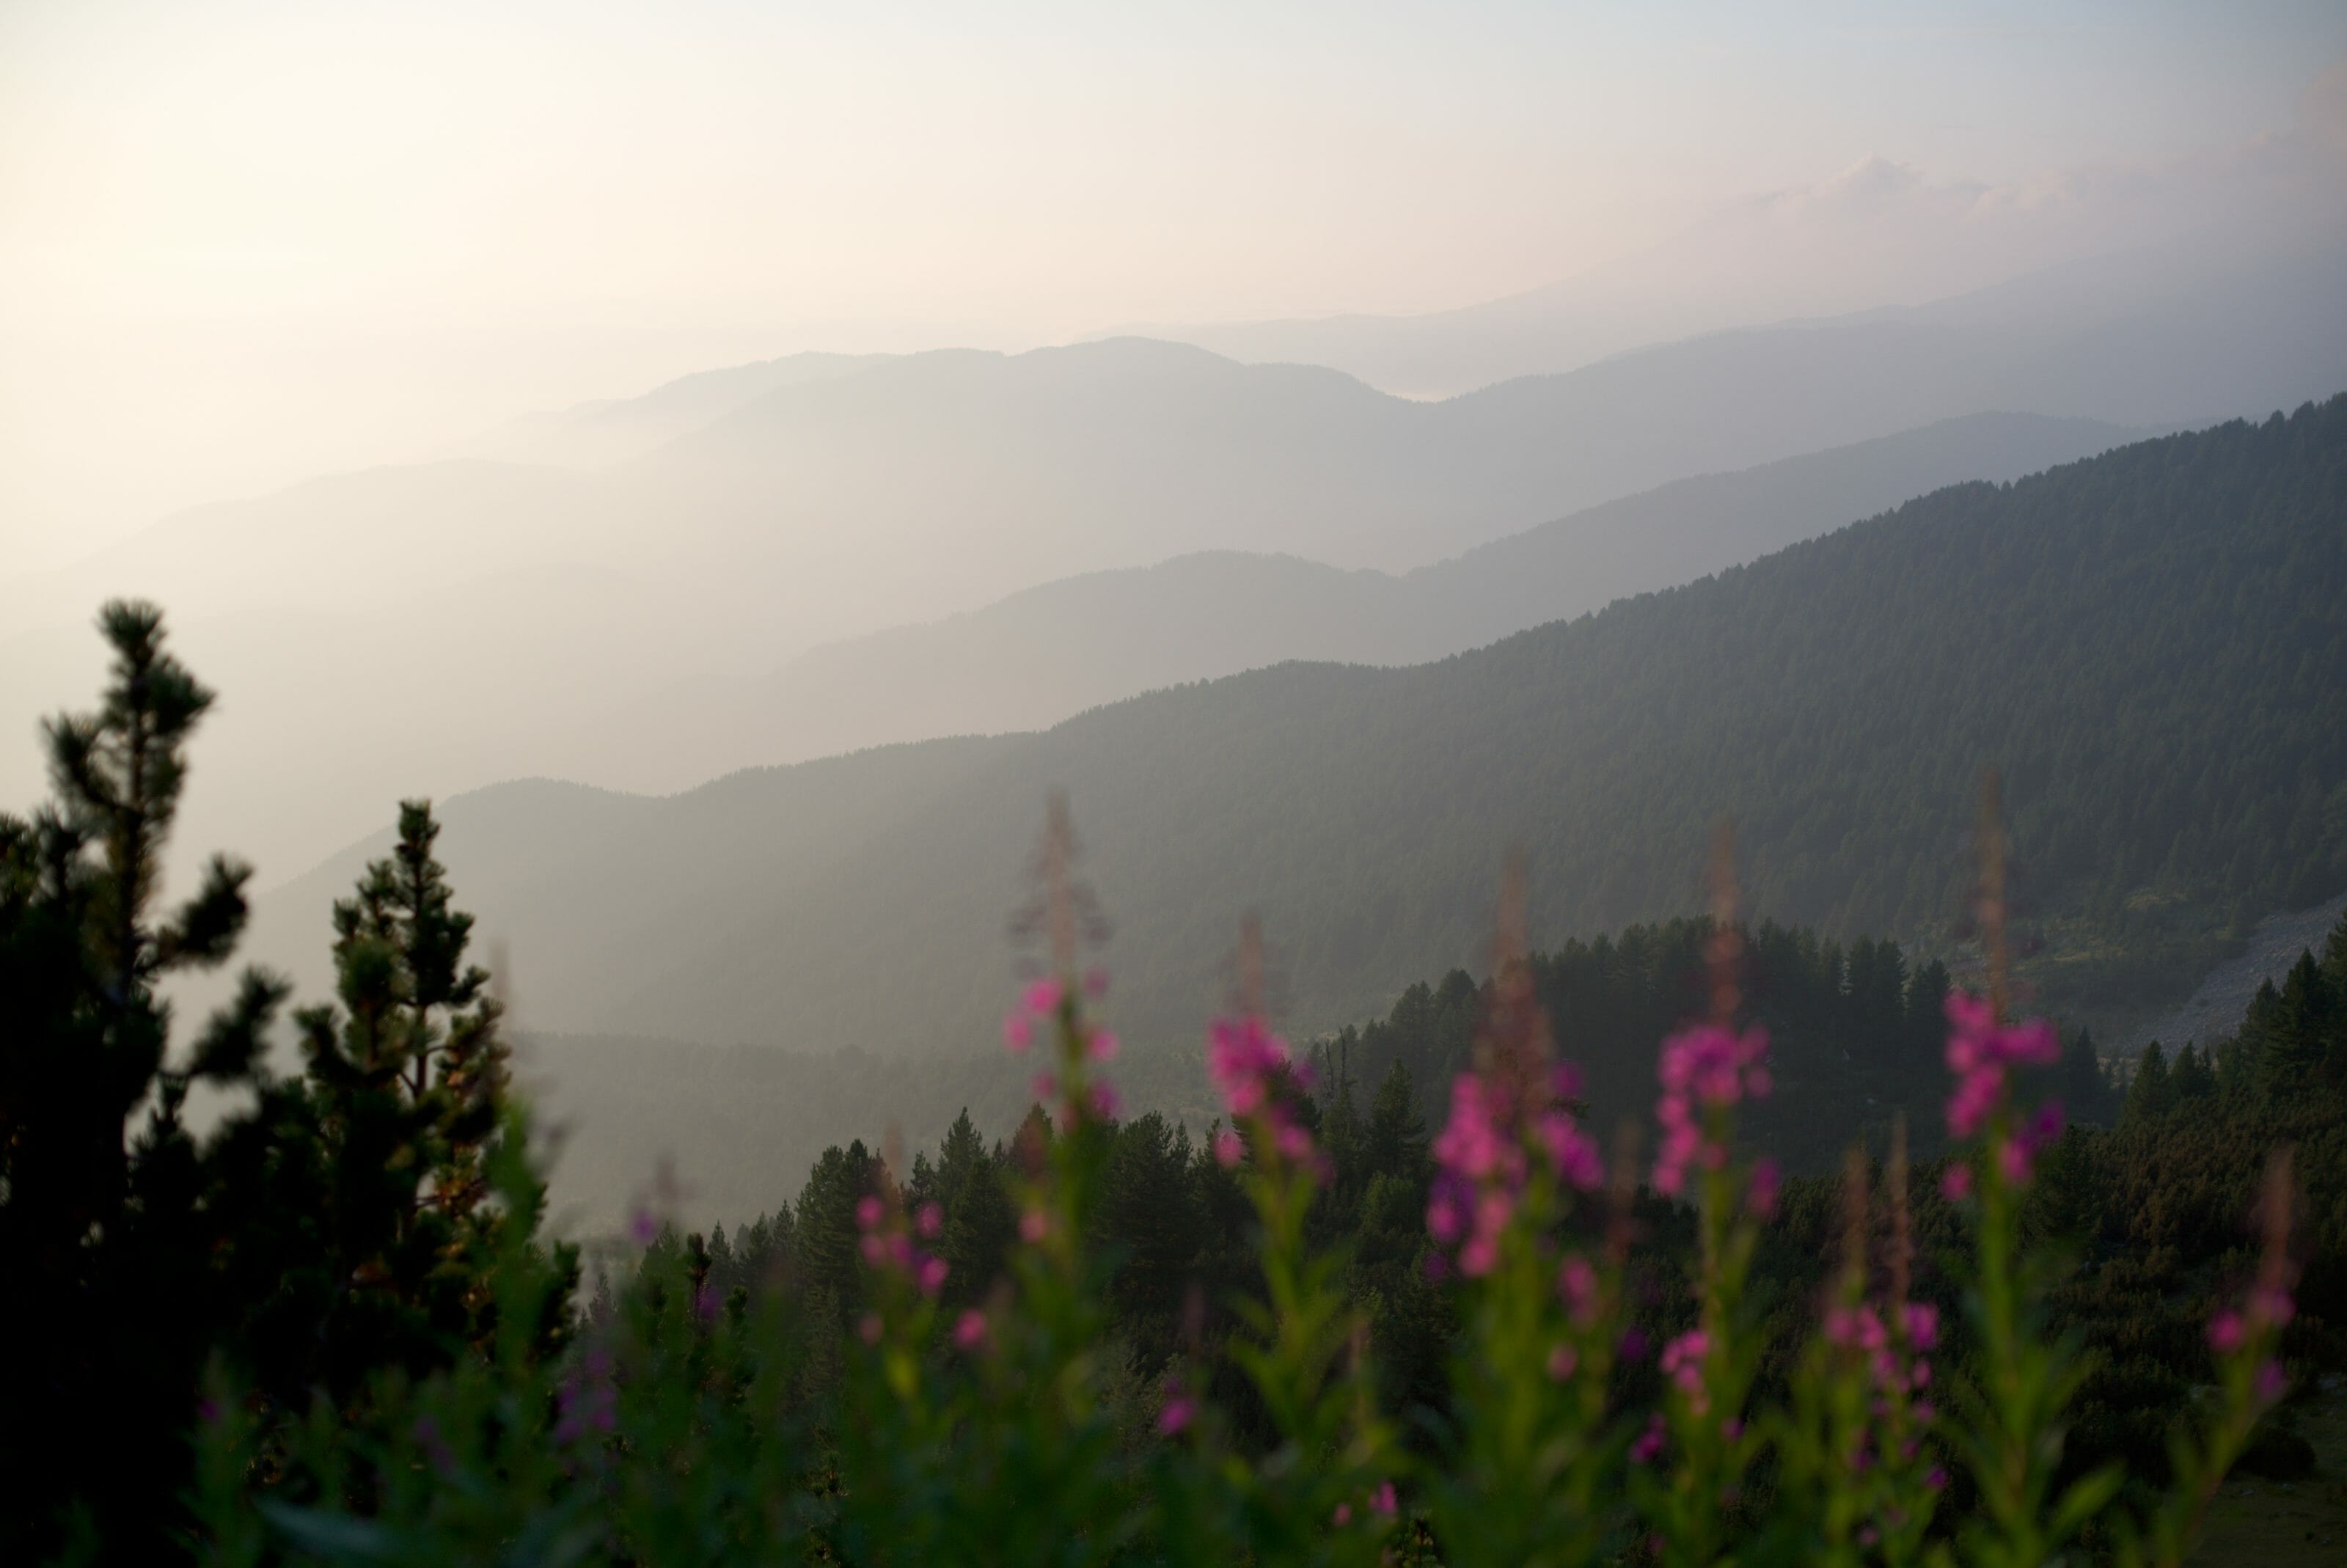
(2146, 642)
(1043, 654)
(1855, 1035)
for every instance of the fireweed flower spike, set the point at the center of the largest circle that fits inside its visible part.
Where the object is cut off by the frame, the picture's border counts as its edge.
(1528, 1483)
(889, 1246)
(1259, 1080)
(1025, 1368)
(2027, 1375)
(1513, 1119)
(1704, 1072)
(1305, 1348)
(1854, 1450)
(2244, 1336)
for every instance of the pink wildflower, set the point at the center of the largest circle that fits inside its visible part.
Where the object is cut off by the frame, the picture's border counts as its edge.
(1104, 1101)
(1498, 1123)
(1704, 1068)
(1682, 1361)
(1034, 1225)
(1922, 1325)
(1176, 1415)
(1017, 1031)
(1383, 1500)
(1244, 1057)
(933, 1272)
(869, 1211)
(1102, 1046)
(2272, 1383)
(1760, 1197)
(1982, 1054)
(1649, 1448)
(2018, 1156)
(1561, 1360)
(1096, 982)
(1571, 1153)
(1229, 1149)
(1854, 1327)
(1257, 1078)
(930, 1220)
(1043, 996)
(1957, 1184)
(2226, 1332)
(1576, 1285)
(1341, 1515)
(969, 1329)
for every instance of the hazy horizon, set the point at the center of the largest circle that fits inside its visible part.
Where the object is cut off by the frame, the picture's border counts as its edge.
(242, 247)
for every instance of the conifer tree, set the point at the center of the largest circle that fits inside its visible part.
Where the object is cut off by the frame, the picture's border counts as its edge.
(407, 1084)
(826, 1239)
(2152, 1094)
(1394, 1143)
(112, 1236)
(980, 1221)
(2079, 1080)
(2298, 1027)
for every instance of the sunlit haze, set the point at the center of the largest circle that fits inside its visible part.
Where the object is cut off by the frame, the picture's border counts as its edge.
(241, 244)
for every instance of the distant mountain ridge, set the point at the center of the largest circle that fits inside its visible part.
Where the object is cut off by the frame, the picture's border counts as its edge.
(1879, 239)
(512, 620)
(613, 429)
(2147, 641)
(1034, 659)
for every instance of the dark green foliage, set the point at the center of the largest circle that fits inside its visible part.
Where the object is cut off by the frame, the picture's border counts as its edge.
(825, 1232)
(1855, 1038)
(971, 1185)
(1150, 1222)
(2158, 1207)
(325, 1231)
(383, 1160)
(113, 1216)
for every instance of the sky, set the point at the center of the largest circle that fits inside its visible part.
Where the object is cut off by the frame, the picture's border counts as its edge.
(243, 242)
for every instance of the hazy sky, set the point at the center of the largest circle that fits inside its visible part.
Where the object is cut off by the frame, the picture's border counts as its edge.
(240, 242)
